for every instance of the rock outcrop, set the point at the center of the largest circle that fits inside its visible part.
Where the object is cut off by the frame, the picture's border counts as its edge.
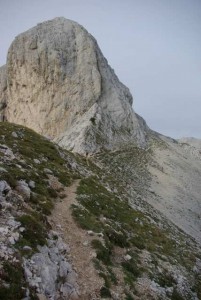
(60, 85)
(194, 142)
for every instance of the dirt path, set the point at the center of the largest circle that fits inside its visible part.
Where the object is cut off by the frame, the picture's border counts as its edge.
(81, 253)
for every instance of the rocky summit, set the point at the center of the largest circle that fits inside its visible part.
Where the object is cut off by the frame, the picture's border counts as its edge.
(93, 203)
(57, 82)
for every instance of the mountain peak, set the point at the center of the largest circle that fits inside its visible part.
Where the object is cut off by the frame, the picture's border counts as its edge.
(60, 85)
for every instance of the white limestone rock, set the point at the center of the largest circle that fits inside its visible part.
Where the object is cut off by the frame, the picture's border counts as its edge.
(50, 273)
(24, 190)
(60, 85)
(4, 187)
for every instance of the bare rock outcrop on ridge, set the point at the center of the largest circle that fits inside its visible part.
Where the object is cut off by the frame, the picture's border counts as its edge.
(191, 141)
(60, 85)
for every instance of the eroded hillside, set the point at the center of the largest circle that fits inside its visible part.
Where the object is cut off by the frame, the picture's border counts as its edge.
(58, 208)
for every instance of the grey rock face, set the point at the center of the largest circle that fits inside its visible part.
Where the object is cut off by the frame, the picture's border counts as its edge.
(50, 273)
(4, 187)
(3, 92)
(31, 184)
(23, 188)
(60, 85)
(7, 152)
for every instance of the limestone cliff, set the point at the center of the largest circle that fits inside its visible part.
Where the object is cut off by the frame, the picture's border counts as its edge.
(3, 92)
(60, 84)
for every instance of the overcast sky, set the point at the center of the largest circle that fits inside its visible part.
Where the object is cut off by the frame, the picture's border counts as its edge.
(154, 46)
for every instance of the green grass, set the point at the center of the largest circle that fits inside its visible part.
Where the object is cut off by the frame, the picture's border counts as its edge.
(131, 267)
(129, 297)
(107, 281)
(101, 211)
(12, 274)
(32, 215)
(35, 232)
(85, 219)
(103, 252)
(10, 179)
(176, 295)
(29, 145)
(124, 226)
(105, 292)
(166, 280)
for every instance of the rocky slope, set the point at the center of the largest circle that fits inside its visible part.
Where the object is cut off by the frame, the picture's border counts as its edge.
(190, 141)
(70, 228)
(176, 173)
(60, 85)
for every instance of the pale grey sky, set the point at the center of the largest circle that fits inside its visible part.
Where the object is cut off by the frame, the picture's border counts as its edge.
(154, 46)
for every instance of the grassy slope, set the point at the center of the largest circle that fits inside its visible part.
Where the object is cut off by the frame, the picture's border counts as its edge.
(103, 207)
(26, 147)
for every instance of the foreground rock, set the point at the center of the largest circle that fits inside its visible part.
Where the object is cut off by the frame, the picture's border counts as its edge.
(57, 75)
(49, 272)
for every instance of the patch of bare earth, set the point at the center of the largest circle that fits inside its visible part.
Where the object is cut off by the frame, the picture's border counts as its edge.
(79, 241)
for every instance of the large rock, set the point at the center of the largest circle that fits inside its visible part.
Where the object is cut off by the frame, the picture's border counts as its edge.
(4, 187)
(60, 85)
(49, 272)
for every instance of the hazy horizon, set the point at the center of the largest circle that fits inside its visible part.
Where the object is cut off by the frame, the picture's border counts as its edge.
(153, 46)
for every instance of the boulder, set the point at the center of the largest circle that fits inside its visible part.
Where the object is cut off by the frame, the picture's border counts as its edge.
(4, 187)
(23, 189)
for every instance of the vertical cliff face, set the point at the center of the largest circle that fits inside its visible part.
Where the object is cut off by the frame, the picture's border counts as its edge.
(3, 92)
(60, 84)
